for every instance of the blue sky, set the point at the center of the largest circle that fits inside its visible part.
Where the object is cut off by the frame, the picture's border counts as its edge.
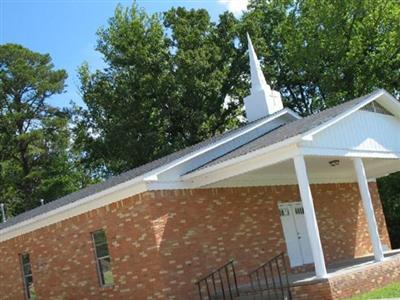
(66, 29)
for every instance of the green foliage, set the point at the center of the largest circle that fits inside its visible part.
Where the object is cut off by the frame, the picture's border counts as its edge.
(389, 189)
(35, 161)
(322, 53)
(163, 89)
(391, 291)
(177, 78)
(168, 76)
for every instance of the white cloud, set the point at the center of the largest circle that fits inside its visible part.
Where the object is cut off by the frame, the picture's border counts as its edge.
(235, 6)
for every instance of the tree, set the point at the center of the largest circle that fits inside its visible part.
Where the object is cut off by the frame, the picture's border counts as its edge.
(35, 158)
(164, 86)
(168, 76)
(389, 190)
(322, 53)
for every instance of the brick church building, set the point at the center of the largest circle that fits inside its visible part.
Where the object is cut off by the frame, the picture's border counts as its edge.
(305, 187)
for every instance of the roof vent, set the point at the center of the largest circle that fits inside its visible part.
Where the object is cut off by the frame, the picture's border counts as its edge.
(3, 213)
(262, 101)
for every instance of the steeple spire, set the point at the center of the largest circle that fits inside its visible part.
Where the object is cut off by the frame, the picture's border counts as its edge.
(262, 101)
(257, 77)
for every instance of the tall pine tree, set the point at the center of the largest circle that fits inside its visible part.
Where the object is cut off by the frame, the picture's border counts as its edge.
(36, 161)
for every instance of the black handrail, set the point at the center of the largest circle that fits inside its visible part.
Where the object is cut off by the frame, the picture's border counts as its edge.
(221, 286)
(267, 279)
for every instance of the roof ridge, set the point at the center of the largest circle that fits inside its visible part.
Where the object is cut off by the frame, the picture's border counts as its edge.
(276, 135)
(125, 176)
(289, 130)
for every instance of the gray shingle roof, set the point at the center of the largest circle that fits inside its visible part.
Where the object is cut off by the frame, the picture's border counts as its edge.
(118, 179)
(284, 132)
(290, 130)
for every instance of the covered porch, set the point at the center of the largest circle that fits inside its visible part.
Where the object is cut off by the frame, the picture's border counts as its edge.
(333, 269)
(311, 170)
(348, 278)
(322, 185)
(344, 267)
(345, 279)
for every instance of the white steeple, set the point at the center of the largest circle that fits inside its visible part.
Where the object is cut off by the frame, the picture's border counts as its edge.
(262, 101)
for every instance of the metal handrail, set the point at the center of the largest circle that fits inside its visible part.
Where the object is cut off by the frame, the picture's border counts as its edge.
(217, 288)
(268, 278)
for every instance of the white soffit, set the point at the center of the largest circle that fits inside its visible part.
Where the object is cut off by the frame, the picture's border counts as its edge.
(175, 169)
(382, 97)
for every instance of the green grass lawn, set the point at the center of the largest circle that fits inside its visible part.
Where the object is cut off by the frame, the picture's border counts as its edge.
(389, 291)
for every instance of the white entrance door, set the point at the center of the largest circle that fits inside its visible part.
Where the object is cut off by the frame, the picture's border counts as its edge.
(295, 231)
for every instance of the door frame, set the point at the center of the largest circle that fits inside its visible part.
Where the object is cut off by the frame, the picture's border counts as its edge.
(291, 206)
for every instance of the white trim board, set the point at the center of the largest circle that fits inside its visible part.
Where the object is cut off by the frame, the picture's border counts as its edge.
(120, 192)
(272, 154)
(155, 174)
(382, 97)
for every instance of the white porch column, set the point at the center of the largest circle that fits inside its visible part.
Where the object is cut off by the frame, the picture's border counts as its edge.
(311, 219)
(368, 208)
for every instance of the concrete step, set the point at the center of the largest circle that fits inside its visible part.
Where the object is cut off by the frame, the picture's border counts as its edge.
(264, 295)
(246, 294)
(259, 297)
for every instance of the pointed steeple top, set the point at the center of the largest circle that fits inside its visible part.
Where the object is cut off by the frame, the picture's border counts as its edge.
(257, 77)
(262, 101)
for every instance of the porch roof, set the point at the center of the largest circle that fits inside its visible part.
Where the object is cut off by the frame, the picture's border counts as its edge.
(279, 128)
(292, 129)
(134, 173)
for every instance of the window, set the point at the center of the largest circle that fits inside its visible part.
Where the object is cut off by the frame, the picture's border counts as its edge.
(284, 211)
(27, 277)
(103, 258)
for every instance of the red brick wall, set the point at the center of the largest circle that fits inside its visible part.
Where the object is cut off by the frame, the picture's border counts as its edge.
(315, 291)
(161, 242)
(348, 284)
(367, 279)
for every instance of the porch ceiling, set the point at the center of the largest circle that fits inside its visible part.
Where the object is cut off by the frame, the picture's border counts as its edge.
(319, 170)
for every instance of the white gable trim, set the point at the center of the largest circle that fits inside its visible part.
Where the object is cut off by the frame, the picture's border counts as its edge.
(384, 98)
(320, 151)
(388, 101)
(275, 153)
(269, 155)
(92, 202)
(154, 174)
(137, 185)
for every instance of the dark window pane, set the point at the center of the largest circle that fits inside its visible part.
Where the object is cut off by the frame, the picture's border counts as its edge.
(102, 250)
(25, 258)
(105, 271)
(99, 237)
(27, 269)
(28, 279)
(30, 288)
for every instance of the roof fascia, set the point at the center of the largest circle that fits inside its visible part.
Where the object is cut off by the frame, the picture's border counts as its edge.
(293, 114)
(350, 153)
(250, 163)
(390, 103)
(285, 143)
(308, 136)
(136, 185)
(94, 201)
(154, 174)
